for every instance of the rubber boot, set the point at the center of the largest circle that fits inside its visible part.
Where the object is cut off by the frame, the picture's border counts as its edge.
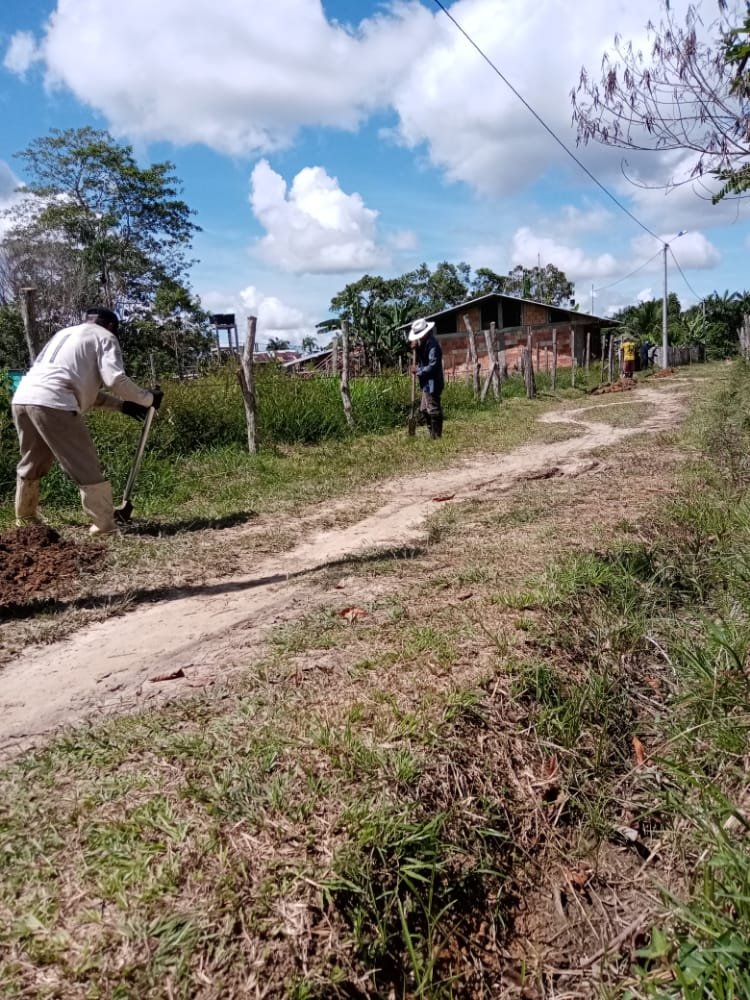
(97, 502)
(27, 502)
(436, 425)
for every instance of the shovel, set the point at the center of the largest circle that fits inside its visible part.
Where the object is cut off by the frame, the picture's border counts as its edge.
(412, 422)
(123, 512)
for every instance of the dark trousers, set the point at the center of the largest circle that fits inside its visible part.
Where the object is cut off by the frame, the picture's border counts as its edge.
(431, 413)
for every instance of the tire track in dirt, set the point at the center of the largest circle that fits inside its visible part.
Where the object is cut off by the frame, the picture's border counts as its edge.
(204, 631)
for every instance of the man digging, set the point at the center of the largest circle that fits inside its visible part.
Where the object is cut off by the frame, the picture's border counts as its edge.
(49, 405)
(429, 371)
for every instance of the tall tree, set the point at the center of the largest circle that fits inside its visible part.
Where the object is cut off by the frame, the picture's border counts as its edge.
(95, 228)
(685, 95)
(377, 309)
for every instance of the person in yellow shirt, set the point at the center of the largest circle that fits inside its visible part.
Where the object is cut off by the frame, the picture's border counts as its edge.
(627, 357)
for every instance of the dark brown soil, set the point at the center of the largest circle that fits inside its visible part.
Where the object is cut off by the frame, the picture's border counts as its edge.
(35, 562)
(624, 385)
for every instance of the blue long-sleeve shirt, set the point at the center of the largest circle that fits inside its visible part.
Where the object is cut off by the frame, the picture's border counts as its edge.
(430, 365)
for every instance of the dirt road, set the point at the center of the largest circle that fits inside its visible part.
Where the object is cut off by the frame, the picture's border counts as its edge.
(206, 630)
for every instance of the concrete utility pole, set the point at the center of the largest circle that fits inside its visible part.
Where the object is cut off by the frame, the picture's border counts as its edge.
(664, 330)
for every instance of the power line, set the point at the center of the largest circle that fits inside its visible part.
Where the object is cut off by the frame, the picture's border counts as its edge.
(625, 278)
(699, 297)
(544, 125)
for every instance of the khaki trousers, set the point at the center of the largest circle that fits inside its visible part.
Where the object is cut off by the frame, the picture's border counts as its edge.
(46, 435)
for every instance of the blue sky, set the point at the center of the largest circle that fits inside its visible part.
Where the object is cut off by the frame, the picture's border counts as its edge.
(317, 142)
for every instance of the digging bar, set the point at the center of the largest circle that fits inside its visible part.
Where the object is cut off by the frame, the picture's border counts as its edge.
(412, 422)
(123, 512)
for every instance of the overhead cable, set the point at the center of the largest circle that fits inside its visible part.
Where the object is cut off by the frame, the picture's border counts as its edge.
(545, 126)
(630, 275)
(699, 297)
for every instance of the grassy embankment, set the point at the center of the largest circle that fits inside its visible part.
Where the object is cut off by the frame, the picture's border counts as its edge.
(197, 464)
(363, 812)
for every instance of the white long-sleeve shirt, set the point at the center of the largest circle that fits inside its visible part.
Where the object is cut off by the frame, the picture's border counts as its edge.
(72, 367)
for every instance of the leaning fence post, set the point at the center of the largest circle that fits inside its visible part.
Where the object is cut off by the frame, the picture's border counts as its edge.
(346, 398)
(473, 356)
(246, 375)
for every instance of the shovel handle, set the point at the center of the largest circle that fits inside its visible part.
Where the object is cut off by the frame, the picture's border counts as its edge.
(135, 467)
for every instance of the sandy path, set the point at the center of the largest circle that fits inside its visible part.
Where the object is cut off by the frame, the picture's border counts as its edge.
(204, 630)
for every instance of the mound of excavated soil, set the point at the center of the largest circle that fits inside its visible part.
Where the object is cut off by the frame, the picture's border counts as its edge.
(624, 385)
(36, 562)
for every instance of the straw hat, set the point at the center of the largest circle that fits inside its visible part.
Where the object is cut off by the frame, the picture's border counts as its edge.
(419, 329)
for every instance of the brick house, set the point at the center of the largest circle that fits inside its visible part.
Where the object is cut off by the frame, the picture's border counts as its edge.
(514, 320)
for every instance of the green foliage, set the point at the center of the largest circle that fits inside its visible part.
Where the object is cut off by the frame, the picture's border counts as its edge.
(207, 413)
(98, 229)
(127, 223)
(673, 604)
(13, 350)
(377, 307)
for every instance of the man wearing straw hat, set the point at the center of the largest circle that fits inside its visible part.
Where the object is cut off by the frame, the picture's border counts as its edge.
(429, 371)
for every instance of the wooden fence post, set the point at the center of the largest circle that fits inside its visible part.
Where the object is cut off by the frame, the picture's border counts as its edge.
(588, 352)
(602, 344)
(345, 396)
(573, 358)
(502, 360)
(473, 356)
(493, 374)
(246, 375)
(745, 337)
(30, 325)
(611, 359)
(553, 380)
(529, 368)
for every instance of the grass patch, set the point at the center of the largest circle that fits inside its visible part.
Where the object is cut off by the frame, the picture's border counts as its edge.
(375, 827)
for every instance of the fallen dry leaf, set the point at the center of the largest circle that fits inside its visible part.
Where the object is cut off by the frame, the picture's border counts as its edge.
(173, 676)
(640, 752)
(351, 614)
(446, 496)
(579, 877)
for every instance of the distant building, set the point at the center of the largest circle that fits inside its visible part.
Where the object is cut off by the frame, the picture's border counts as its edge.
(514, 319)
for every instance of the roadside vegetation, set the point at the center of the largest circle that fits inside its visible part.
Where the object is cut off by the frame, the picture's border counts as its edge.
(520, 769)
(198, 445)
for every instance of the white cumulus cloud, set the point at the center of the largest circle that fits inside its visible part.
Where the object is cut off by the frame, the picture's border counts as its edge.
(276, 317)
(240, 77)
(692, 250)
(22, 53)
(528, 248)
(313, 226)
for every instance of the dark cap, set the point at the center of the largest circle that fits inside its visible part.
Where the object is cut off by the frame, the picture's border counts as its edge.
(104, 317)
